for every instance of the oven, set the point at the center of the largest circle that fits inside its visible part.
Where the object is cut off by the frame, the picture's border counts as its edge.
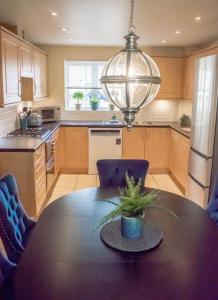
(50, 162)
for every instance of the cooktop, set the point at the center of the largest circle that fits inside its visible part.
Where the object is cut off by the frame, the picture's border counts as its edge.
(29, 132)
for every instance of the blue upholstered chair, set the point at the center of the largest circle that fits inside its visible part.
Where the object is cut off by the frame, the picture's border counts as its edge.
(112, 172)
(15, 225)
(212, 207)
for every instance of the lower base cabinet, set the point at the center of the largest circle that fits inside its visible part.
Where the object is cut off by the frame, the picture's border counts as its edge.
(151, 144)
(133, 146)
(29, 169)
(75, 149)
(179, 158)
(157, 149)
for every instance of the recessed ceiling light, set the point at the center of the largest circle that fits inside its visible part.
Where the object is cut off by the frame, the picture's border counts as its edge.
(164, 41)
(178, 31)
(54, 14)
(198, 18)
(63, 28)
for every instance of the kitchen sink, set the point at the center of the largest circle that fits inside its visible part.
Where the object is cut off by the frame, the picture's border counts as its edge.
(186, 129)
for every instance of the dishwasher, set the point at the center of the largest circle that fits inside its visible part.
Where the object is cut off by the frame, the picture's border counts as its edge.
(104, 143)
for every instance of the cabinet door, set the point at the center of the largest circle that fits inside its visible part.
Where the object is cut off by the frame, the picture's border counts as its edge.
(76, 149)
(26, 60)
(179, 157)
(133, 143)
(171, 72)
(10, 69)
(37, 89)
(174, 154)
(43, 70)
(189, 71)
(157, 149)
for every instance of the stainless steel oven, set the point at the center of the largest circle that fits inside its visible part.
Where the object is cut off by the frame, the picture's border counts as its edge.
(50, 162)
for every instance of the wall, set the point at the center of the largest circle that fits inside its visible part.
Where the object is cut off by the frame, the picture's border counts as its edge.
(158, 110)
(8, 119)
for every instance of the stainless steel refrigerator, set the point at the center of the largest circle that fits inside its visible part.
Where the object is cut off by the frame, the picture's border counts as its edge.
(203, 161)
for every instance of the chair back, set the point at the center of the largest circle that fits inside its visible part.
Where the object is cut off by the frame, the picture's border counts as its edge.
(112, 172)
(212, 207)
(14, 223)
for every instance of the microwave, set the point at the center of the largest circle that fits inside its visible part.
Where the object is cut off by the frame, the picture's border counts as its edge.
(48, 113)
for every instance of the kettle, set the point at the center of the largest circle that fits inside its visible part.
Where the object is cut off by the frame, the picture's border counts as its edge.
(34, 120)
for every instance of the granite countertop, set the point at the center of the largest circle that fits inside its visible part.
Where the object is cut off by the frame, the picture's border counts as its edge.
(28, 144)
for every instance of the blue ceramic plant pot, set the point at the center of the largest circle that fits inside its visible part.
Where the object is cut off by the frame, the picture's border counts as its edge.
(131, 228)
(23, 124)
(94, 106)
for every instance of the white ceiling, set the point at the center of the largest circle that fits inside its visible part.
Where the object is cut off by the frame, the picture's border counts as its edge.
(104, 22)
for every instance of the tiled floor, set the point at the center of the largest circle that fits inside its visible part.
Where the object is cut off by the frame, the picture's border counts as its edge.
(68, 183)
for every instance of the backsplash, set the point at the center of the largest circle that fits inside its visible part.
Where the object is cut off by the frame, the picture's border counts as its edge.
(8, 120)
(158, 110)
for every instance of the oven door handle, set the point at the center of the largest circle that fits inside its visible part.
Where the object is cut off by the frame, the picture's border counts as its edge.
(50, 164)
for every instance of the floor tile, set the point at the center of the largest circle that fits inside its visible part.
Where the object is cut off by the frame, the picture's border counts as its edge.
(85, 181)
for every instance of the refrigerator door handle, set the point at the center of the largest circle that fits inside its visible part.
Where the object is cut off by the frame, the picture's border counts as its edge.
(196, 181)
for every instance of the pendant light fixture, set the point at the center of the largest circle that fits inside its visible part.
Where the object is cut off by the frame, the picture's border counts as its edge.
(131, 78)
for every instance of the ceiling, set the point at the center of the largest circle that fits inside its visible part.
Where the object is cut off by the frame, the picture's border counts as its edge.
(104, 22)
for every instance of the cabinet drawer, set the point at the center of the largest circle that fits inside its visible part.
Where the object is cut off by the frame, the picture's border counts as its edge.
(39, 153)
(40, 190)
(39, 168)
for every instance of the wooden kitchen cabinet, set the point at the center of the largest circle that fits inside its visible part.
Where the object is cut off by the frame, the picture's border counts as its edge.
(23, 73)
(26, 59)
(75, 150)
(189, 72)
(171, 72)
(157, 149)
(133, 143)
(29, 169)
(11, 83)
(179, 157)
(39, 74)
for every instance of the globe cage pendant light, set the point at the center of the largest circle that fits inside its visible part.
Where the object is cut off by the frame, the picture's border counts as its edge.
(131, 79)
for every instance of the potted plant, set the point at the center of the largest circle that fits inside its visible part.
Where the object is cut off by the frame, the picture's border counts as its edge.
(78, 96)
(131, 208)
(111, 106)
(185, 121)
(94, 103)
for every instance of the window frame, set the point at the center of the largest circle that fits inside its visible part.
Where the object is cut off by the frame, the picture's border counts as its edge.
(95, 86)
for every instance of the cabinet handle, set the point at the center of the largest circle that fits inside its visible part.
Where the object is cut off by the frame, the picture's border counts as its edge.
(19, 88)
(34, 88)
(42, 84)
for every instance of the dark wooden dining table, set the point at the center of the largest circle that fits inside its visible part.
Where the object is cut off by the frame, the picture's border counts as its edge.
(64, 259)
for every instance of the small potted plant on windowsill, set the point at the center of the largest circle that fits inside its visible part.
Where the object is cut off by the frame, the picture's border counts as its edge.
(132, 207)
(94, 103)
(78, 96)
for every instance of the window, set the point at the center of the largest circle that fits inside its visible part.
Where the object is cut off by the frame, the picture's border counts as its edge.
(84, 77)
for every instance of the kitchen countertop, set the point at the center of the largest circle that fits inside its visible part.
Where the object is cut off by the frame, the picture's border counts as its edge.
(28, 144)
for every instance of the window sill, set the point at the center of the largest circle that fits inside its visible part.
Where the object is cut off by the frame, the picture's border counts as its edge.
(100, 109)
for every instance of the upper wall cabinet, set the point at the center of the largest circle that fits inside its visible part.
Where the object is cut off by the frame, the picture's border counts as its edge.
(189, 71)
(11, 83)
(23, 73)
(26, 60)
(40, 74)
(171, 72)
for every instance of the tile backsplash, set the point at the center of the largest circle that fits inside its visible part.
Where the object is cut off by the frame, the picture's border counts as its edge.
(8, 120)
(158, 110)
